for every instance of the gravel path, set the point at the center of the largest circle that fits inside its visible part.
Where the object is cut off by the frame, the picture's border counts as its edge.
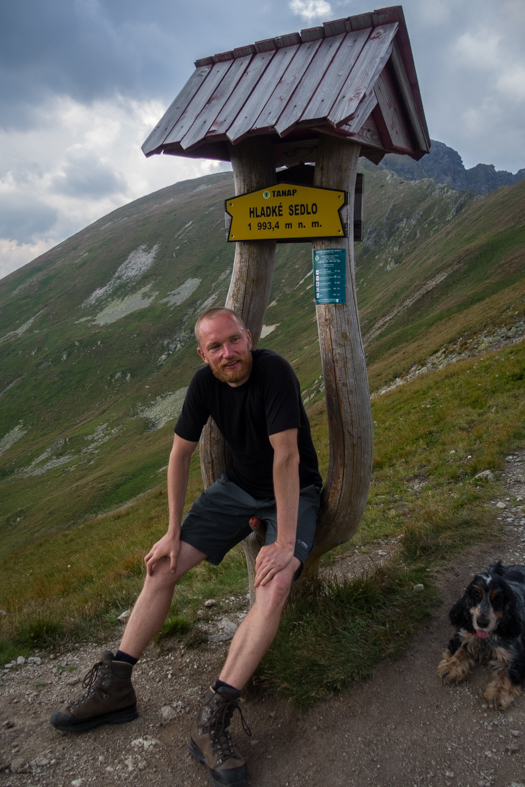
(401, 728)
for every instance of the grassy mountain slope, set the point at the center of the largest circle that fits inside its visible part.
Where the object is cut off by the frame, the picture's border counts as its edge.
(96, 335)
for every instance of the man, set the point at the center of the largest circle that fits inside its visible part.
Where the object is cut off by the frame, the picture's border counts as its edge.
(255, 400)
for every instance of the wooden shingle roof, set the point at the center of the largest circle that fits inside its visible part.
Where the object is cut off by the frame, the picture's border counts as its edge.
(352, 77)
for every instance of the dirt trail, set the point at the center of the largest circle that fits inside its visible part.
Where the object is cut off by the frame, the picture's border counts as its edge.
(401, 728)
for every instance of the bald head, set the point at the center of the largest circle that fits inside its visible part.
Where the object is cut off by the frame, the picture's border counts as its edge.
(212, 314)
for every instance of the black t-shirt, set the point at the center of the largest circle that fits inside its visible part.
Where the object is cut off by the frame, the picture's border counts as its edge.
(269, 402)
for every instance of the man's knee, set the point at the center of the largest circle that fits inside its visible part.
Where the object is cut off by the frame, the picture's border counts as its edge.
(275, 593)
(161, 577)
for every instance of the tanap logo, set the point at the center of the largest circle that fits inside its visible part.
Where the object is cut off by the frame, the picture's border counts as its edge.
(266, 194)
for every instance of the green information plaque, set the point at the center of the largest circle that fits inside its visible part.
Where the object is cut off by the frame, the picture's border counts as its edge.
(330, 275)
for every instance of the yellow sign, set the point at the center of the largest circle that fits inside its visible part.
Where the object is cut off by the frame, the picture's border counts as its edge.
(286, 211)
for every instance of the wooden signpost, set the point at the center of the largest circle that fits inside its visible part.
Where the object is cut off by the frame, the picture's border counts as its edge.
(286, 211)
(327, 95)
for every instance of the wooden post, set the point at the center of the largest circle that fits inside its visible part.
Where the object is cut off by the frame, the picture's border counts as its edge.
(251, 281)
(344, 369)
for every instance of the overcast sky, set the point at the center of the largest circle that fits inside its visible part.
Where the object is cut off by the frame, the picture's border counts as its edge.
(82, 83)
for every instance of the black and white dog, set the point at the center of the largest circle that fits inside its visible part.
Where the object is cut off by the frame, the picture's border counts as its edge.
(490, 621)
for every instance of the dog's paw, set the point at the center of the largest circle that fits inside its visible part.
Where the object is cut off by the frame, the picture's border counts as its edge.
(454, 668)
(501, 693)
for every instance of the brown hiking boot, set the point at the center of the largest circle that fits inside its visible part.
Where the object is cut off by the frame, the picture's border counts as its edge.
(109, 698)
(210, 741)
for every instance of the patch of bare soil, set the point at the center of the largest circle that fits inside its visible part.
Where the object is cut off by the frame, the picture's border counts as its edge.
(401, 728)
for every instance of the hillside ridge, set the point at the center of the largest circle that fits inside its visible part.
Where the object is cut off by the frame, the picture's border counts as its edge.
(445, 165)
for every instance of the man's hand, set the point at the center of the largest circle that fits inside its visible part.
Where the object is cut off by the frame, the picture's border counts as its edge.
(270, 560)
(168, 546)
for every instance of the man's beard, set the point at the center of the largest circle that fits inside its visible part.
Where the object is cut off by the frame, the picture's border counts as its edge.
(234, 377)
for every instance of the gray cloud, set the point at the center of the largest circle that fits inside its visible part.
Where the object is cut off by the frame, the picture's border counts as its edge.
(22, 220)
(85, 175)
(94, 49)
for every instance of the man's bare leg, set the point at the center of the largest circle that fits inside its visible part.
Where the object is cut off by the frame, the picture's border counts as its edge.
(153, 604)
(258, 629)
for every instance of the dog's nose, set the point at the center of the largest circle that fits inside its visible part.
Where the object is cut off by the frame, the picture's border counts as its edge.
(482, 622)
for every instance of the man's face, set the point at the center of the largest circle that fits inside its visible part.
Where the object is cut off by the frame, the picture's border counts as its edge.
(225, 346)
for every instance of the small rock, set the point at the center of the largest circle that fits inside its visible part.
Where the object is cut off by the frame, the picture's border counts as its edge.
(34, 660)
(382, 553)
(516, 733)
(40, 762)
(452, 452)
(228, 629)
(501, 505)
(76, 783)
(449, 774)
(21, 660)
(210, 602)
(418, 588)
(8, 724)
(144, 743)
(73, 681)
(125, 615)
(512, 748)
(3, 612)
(168, 713)
(18, 765)
(488, 474)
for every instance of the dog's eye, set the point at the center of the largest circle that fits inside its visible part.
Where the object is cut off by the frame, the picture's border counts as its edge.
(494, 595)
(478, 593)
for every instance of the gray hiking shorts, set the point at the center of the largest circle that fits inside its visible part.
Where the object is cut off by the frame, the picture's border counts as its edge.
(219, 519)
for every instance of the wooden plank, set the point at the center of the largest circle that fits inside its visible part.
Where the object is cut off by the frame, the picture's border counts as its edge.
(312, 34)
(242, 51)
(369, 65)
(388, 103)
(214, 78)
(369, 135)
(245, 120)
(359, 22)
(250, 285)
(290, 39)
(266, 45)
(385, 16)
(405, 51)
(344, 370)
(335, 76)
(406, 93)
(175, 110)
(223, 56)
(308, 84)
(241, 93)
(215, 103)
(363, 111)
(287, 84)
(335, 27)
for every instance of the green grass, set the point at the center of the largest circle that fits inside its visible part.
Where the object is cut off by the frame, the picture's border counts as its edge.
(336, 633)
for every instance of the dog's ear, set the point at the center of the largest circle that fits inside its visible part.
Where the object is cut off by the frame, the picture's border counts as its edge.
(460, 615)
(496, 568)
(510, 625)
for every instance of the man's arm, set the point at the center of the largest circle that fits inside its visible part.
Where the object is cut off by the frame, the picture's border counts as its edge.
(178, 473)
(276, 556)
